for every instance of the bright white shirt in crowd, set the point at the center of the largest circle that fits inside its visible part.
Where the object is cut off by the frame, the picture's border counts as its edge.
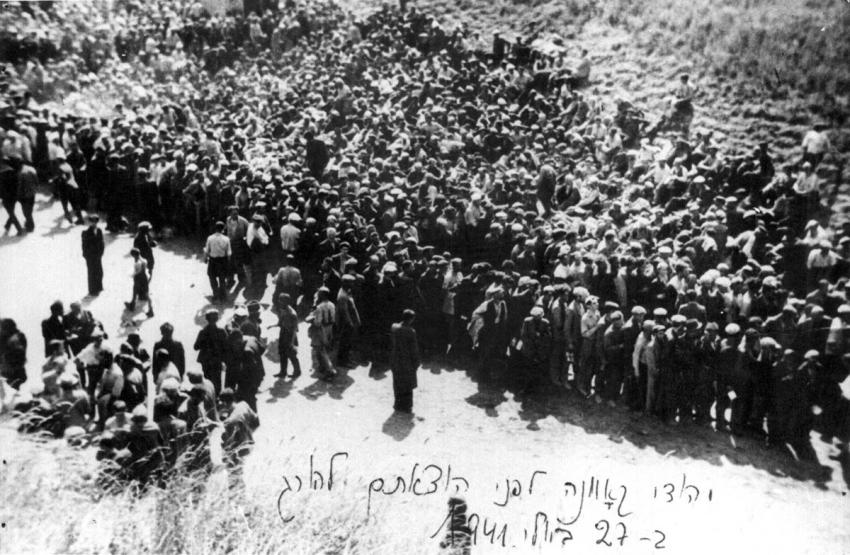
(816, 142)
(217, 246)
(256, 232)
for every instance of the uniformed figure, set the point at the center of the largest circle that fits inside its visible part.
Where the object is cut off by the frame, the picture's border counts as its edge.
(404, 361)
(93, 247)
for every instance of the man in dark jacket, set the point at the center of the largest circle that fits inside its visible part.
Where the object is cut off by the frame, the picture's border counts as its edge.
(93, 247)
(404, 361)
(176, 352)
(317, 155)
(9, 194)
(53, 328)
(211, 345)
(287, 344)
(249, 371)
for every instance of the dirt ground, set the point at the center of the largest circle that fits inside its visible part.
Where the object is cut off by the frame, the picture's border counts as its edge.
(759, 500)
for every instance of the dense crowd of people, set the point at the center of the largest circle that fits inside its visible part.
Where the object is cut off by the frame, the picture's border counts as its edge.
(404, 190)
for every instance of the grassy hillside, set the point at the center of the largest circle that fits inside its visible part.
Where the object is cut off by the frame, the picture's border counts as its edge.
(805, 43)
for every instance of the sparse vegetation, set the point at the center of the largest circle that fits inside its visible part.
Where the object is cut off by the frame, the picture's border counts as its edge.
(52, 503)
(800, 43)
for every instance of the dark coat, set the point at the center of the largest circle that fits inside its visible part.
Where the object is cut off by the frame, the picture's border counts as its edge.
(404, 358)
(176, 353)
(93, 244)
(52, 328)
(211, 344)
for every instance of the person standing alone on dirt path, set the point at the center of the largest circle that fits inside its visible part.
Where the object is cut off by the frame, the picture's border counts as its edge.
(93, 247)
(404, 361)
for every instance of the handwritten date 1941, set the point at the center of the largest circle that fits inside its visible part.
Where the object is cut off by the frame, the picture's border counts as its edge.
(483, 530)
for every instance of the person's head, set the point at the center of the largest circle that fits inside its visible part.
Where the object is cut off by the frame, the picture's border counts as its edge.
(227, 397)
(638, 314)
(57, 308)
(616, 319)
(844, 313)
(139, 416)
(323, 294)
(134, 252)
(408, 316)
(167, 330)
(211, 316)
(93, 220)
(284, 300)
(134, 340)
(197, 394)
(219, 227)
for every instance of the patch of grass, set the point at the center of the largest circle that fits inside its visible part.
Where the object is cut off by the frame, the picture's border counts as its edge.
(52, 504)
(805, 42)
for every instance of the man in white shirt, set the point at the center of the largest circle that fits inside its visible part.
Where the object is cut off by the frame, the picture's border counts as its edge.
(93, 360)
(815, 145)
(290, 234)
(807, 180)
(217, 254)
